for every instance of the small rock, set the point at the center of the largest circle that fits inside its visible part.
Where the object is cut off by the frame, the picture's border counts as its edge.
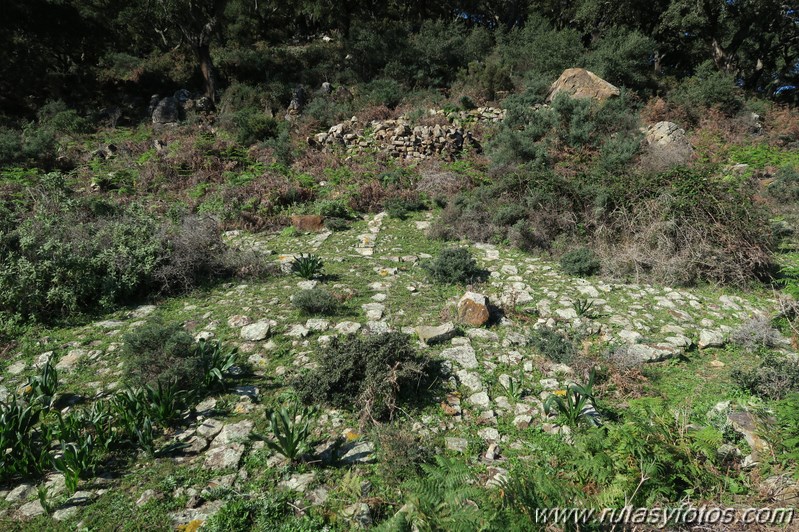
(224, 457)
(255, 332)
(459, 445)
(710, 338)
(433, 335)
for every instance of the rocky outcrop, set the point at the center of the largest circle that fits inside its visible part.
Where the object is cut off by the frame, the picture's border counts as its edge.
(667, 145)
(581, 83)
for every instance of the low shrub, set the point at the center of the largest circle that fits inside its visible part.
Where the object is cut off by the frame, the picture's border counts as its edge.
(454, 266)
(373, 374)
(400, 207)
(756, 333)
(553, 345)
(580, 262)
(162, 353)
(775, 377)
(315, 301)
(401, 452)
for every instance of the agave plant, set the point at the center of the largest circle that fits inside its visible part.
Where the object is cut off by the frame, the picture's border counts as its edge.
(291, 430)
(575, 405)
(307, 266)
(584, 307)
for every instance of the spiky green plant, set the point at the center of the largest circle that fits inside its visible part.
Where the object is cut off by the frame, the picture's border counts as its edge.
(514, 386)
(45, 385)
(291, 430)
(576, 405)
(307, 266)
(216, 363)
(584, 308)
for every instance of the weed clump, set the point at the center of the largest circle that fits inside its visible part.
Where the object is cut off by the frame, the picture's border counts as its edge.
(315, 301)
(454, 266)
(374, 374)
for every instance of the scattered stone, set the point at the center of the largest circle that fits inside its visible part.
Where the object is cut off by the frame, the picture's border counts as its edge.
(473, 309)
(357, 452)
(234, 433)
(480, 399)
(20, 493)
(348, 327)
(471, 380)
(146, 496)
(316, 324)
(464, 355)
(68, 362)
(433, 335)
(298, 482)
(459, 445)
(218, 458)
(297, 331)
(359, 514)
(32, 509)
(581, 83)
(17, 367)
(255, 332)
(709, 338)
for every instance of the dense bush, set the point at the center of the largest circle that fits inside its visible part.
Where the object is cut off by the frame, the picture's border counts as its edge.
(454, 266)
(580, 262)
(707, 88)
(159, 352)
(68, 258)
(373, 374)
(315, 301)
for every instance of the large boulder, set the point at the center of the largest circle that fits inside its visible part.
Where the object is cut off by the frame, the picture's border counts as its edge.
(168, 111)
(581, 83)
(473, 309)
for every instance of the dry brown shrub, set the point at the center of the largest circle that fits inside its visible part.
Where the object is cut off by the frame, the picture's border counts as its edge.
(378, 112)
(368, 198)
(781, 125)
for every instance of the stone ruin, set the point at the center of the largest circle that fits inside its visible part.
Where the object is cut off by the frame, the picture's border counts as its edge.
(402, 139)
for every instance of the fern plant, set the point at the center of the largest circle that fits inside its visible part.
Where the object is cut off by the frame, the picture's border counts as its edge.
(291, 430)
(307, 266)
(444, 498)
(576, 405)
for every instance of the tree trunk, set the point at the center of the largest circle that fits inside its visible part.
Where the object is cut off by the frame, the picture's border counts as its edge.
(207, 71)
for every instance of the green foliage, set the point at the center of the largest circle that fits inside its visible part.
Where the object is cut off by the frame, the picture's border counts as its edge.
(454, 266)
(253, 126)
(44, 386)
(785, 187)
(515, 386)
(162, 353)
(787, 413)
(315, 301)
(401, 452)
(577, 405)
(706, 89)
(333, 208)
(291, 428)
(553, 345)
(583, 308)
(217, 363)
(26, 445)
(776, 377)
(446, 497)
(580, 262)
(399, 208)
(307, 266)
(372, 374)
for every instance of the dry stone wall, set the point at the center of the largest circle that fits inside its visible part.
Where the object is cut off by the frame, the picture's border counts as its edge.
(402, 139)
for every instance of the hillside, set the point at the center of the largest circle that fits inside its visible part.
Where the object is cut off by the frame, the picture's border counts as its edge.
(402, 267)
